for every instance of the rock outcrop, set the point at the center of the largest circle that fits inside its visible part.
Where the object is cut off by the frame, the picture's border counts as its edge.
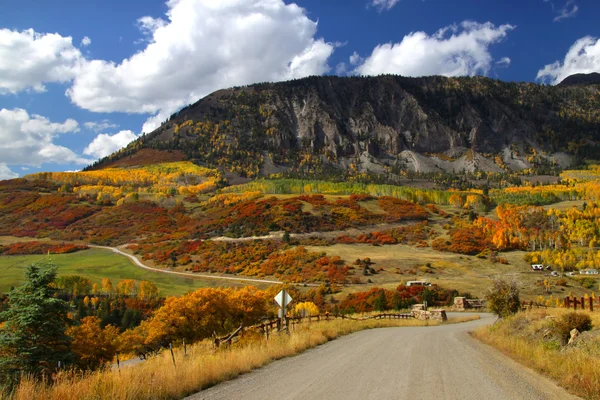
(382, 125)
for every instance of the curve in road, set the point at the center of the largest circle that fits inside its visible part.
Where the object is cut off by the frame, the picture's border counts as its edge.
(441, 362)
(137, 262)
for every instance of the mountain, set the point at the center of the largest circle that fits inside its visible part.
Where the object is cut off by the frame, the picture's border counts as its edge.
(381, 125)
(581, 79)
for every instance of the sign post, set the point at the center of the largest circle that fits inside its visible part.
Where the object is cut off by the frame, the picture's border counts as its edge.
(283, 299)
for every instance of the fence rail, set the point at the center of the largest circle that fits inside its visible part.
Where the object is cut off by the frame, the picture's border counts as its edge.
(532, 304)
(575, 302)
(277, 324)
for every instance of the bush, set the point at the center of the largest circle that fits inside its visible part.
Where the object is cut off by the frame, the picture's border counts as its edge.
(586, 282)
(569, 321)
(503, 297)
(562, 282)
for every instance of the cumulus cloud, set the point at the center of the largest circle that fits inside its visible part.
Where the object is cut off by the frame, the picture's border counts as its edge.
(452, 51)
(6, 173)
(383, 5)
(105, 144)
(29, 139)
(199, 47)
(86, 41)
(100, 125)
(355, 59)
(582, 58)
(29, 59)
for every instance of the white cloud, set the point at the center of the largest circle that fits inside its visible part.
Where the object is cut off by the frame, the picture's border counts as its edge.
(503, 62)
(199, 47)
(6, 173)
(29, 59)
(382, 5)
(341, 69)
(28, 139)
(355, 59)
(100, 126)
(149, 25)
(105, 144)
(86, 41)
(451, 51)
(582, 57)
(569, 10)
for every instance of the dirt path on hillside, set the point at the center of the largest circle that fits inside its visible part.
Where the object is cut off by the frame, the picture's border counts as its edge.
(417, 363)
(138, 263)
(328, 234)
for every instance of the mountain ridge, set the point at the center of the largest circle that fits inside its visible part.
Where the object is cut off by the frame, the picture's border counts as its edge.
(382, 125)
(592, 78)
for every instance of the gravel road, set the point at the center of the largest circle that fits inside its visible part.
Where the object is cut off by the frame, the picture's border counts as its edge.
(441, 362)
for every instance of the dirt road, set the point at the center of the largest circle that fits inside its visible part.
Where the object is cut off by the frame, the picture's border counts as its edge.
(439, 363)
(137, 262)
(317, 234)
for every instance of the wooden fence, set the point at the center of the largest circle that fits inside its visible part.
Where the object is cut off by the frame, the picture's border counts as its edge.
(532, 304)
(267, 327)
(581, 303)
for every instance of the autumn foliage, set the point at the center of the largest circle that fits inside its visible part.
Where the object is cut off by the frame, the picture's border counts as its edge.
(22, 248)
(198, 315)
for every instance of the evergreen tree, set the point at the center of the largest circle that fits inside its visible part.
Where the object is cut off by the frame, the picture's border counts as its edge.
(380, 303)
(33, 339)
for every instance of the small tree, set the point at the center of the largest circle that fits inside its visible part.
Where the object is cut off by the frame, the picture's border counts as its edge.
(380, 303)
(503, 297)
(33, 339)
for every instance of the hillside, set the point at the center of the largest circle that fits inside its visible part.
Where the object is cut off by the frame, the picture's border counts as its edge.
(386, 125)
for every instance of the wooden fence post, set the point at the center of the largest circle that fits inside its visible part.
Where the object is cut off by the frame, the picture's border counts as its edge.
(591, 304)
(172, 354)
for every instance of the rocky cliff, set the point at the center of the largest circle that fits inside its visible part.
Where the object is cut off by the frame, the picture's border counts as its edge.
(382, 125)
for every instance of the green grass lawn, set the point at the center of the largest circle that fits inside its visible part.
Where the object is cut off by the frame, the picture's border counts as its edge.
(96, 264)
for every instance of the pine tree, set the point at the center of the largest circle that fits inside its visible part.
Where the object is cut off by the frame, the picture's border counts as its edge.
(33, 339)
(380, 303)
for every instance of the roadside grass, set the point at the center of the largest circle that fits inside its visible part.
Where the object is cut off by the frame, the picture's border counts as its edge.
(527, 338)
(96, 264)
(204, 366)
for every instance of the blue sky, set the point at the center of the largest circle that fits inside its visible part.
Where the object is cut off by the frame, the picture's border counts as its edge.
(66, 101)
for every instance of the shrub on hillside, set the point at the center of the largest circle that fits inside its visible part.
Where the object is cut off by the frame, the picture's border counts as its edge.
(503, 297)
(569, 321)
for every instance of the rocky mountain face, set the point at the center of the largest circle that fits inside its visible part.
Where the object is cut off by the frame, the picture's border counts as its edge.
(382, 124)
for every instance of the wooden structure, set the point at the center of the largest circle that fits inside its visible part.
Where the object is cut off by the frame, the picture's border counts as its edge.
(532, 304)
(582, 303)
(267, 327)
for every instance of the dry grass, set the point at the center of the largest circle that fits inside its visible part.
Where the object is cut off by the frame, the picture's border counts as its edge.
(203, 367)
(525, 338)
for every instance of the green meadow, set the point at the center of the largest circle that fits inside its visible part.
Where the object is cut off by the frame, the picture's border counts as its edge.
(96, 264)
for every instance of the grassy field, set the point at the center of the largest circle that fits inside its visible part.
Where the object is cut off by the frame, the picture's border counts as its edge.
(97, 264)
(453, 271)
